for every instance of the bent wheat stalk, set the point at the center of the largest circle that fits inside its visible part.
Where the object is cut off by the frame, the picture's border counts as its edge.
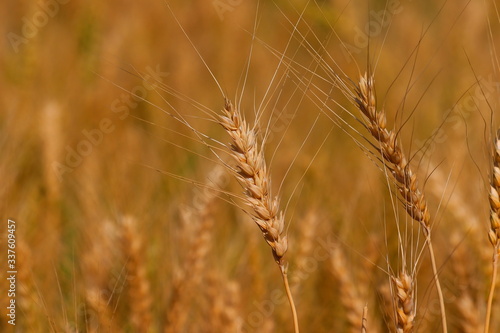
(394, 159)
(252, 173)
(494, 233)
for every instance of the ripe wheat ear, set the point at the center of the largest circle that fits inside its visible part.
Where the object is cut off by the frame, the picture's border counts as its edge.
(494, 233)
(396, 162)
(252, 173)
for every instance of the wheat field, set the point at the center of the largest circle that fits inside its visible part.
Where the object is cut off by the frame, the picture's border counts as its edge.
(250, 166)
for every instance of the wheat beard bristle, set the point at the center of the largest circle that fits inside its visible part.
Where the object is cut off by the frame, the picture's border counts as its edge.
(252, 173)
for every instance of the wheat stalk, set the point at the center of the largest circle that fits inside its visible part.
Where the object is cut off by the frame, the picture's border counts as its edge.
(396, 162)
(252, 173)
(494, 233)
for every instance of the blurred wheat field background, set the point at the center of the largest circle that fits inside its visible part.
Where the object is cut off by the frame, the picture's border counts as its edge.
(127, 220)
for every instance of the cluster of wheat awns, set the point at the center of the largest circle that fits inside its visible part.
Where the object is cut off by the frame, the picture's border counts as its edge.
(252, 173)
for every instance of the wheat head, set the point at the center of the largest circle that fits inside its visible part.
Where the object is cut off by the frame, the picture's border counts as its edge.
(252, 173)
(413, 200)
(405, 308)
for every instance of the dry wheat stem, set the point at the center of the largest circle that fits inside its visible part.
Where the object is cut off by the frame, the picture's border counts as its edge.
(396, 162)
(494, 233)
(252, 173)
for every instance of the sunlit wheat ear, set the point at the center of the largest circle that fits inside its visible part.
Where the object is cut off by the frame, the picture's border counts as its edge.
(494, 233)
(392, 153)
(251, 171)
(397, 164)
(405, 307)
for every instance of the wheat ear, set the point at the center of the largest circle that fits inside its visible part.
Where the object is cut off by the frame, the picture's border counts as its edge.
(468, 315)
(198, 222)
(139, 290)
(494, 233)
(395, 160)
(349, 295)
(252, 173)
(405, 308)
